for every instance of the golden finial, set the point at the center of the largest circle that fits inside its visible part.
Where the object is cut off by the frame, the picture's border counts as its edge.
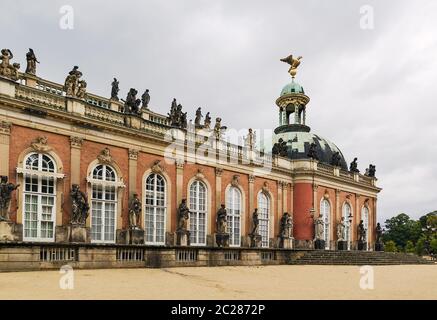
(294, 63)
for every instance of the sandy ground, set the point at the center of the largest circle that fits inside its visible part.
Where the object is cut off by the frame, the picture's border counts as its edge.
(268, 282)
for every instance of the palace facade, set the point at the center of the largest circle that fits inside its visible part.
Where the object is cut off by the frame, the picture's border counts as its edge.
(54, 136)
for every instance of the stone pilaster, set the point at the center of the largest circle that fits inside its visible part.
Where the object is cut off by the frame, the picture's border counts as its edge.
(315, 201)
(356, 219)
(337, 215)
(284, 196)
(218, 187)
(251, 193)
(5, 133)
(279, 211)
(75, 150)
(133, 161)
(179, 180)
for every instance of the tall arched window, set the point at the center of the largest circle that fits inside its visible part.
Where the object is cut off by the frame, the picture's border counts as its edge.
(198, 209)
(103, 203)
(233, 205)
(155, 209)
(39, 195)
(365, 218)
(325, 210)
(263, 216)
(347, 212)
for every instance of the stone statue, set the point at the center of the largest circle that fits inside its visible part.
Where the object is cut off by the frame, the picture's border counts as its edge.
(132, 104)
(6, 189)
(370, 172)
(222, 220)
(361, 232)
(312, 152)
(336, 159)
(145, 99)
(31, 62)
(250, 139)
(183, 120)
(218, 128)
(294, 63)
(73, 86)
(319, 228)
(286, 226)
(207, 123)
(378, 232)
(341, 228)
(134, 211)
(80, 206)
(354, 166)
(6, 69)
(280, 148)
(255, 220)
(176, 117)
(198, 118)
(183, 215)
(115, 89)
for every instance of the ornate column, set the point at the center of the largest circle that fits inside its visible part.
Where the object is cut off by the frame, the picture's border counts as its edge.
(296, 114)
(5, 133)
(75, 152)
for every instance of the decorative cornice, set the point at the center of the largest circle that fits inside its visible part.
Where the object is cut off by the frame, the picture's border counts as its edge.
(40, 145)
(76, 142)
(105, 156)
(218, 172)
(5, 127)
(133, 154)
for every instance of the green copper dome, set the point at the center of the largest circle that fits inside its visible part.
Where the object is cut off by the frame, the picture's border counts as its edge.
(292, 87)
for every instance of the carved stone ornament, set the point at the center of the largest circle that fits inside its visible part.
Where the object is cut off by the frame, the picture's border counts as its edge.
(218, 172)
(105, 156)
(235, 180)
(251, 178)
(199, 174)
(133, 154)
(265, 187)
(40, 145)
(5, 127)
(326, 195)
(157, 168)
(76, 142)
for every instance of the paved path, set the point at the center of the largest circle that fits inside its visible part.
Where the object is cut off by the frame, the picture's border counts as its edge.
(269, 282)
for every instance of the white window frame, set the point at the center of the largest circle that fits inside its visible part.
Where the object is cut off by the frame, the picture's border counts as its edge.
(232, 216)
(264, 217)
(154, 208)
(104, 183)
(195, 211)
(325, 210)
(40, 175)
(346, 214)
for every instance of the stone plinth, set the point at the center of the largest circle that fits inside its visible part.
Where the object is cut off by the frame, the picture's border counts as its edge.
(319, 244)
(342, 245)
(75, 105)
(361, 245)
(379, 246)
(136, 236)
(78, 233)
(10, 231)
(222, 239)
(286, 243)
(255, 240)
(182, 238)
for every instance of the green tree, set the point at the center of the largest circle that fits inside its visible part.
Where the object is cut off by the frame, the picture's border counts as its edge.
(434, 245)
(390, 246)
(420, 246)
(410, 248)
(401, 229)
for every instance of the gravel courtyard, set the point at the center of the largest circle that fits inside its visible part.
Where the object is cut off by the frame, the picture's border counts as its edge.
(267, 282)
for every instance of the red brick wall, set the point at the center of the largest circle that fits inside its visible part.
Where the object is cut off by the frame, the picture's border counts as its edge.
(302, 201)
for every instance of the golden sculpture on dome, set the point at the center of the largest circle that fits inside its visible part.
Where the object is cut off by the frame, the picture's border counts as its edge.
(293, 62)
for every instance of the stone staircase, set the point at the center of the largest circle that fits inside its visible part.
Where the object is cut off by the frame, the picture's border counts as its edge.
(328, 257)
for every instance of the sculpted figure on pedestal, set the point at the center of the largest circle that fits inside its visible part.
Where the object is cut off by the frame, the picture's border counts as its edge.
(183, 215)
(79, 204)
(222, 219)
(319, 228)
(31, 62)
(134, 211)
(6, 189)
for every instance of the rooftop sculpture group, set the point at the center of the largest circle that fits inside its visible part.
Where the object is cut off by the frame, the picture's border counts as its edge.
(74, 86)
(280, 148)
(6, 69)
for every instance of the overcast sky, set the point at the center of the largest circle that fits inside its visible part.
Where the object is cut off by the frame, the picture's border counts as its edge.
(373, 91)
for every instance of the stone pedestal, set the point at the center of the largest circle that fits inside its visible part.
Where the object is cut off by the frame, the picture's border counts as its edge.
(342, 245)
(10, 231)
(286, 243)
(319, 244)
(78, 233)
(222, 239)
(136, 236)
(183, 238)
(379, 246)
(255, 240)
(361, 245)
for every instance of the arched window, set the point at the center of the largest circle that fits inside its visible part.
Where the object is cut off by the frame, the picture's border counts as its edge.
(198, 209)
(365, 218)
(39, 195)
(347, 212)
(325, 210)
(233, 205)
(263, 216)
(103, 204)
(155, 209)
